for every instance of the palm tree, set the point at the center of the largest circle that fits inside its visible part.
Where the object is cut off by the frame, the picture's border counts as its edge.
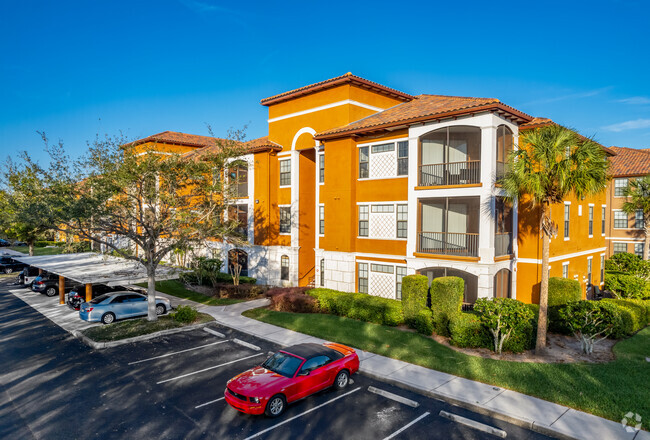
(551, 163)
(638, 199)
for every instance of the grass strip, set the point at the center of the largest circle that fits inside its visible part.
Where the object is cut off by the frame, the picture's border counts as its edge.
(137, 327)
(177, 289)
(608, 390)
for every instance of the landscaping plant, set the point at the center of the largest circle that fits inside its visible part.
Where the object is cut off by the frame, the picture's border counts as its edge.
(415, 290)
(590, 322)
(185, 314)
(502, 316)
(446, 301)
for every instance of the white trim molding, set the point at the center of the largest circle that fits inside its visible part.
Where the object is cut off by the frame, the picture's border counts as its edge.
(325, 107)
(561, 257)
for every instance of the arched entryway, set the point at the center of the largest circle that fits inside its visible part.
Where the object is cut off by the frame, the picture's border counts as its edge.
(238, 256)
(471, 281)
(503, 284)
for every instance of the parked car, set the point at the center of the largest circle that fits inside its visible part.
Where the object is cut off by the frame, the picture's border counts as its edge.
(9, 265)
(19, 243)
(78, 295)
(27, 276)
(4, 243)
(291, 374)
(49, 284)
(118, 305)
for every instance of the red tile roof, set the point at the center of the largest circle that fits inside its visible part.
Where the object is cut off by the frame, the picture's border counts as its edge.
(629, 162)
(251, 147)
(333, 82)
(420, 109)
(542, 122)
(177, 138)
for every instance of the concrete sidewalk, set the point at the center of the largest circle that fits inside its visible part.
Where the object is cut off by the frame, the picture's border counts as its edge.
(520, 409)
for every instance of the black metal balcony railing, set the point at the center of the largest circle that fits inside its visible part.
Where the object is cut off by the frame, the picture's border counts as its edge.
(503, 244)
(451, 173)
(448, 243)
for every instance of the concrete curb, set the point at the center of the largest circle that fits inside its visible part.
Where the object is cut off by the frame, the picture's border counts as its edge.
(100, 345)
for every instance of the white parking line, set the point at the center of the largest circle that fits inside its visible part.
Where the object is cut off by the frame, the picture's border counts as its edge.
(394, 397)
(246, 344)
(474, 424)
(209, 368)
(404, 428)
(208, 403)
(177, 352)
(301, 414)
(213, 332)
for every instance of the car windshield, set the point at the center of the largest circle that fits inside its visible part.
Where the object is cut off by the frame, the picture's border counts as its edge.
(282, 363)
(99, 299)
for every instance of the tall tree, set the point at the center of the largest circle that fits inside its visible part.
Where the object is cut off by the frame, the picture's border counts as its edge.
(638, 199)
(551, 163)
(159, 203)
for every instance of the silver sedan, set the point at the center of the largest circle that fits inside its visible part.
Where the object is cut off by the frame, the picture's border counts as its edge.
(118, 305)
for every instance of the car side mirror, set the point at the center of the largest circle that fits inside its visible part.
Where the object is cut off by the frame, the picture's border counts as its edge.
(303, 373)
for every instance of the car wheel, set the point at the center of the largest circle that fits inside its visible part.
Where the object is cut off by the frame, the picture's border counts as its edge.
(342, 380)
(108, 318)
(276, 406)
(50, 291)
(8, 270)
(160, 309)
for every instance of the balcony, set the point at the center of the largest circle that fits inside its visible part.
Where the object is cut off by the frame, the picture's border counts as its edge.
(450, 173)
(448, 243)
(502, 244)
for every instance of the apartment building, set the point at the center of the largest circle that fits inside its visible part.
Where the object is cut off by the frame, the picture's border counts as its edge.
(625, 232)
(358, 184)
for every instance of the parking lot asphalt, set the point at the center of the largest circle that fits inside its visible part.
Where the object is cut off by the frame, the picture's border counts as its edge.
(54, 387)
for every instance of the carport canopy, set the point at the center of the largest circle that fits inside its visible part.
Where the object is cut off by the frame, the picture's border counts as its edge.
(92, 268)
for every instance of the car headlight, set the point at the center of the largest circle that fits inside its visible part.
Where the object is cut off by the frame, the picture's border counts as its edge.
(255, 399)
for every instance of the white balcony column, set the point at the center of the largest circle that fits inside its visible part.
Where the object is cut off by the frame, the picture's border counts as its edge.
(295, 197)
(487, 224)
(412, 234)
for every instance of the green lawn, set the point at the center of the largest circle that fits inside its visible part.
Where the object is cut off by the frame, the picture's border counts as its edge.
(38, 251)
(608, 390)
(137, 327)
(177, 289)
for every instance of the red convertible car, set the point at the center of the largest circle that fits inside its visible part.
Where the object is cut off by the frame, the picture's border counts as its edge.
(289, 375)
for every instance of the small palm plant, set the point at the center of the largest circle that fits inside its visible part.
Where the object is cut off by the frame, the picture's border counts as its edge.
(551, 163)
(638, 199)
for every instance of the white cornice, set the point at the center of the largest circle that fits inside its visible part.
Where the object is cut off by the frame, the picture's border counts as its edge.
(325, 107)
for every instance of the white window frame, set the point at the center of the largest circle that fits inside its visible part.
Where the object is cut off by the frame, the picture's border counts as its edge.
(603, 218)
(615, 186)
(395, 143)
(627, 219)
(280, 162)
(638, 218)
(565, 270)
(280, 207)
(614, 246)
(321, 218)
(590, 219)
(590, 268)
(566, 230)
(642, 249)
(321, 157)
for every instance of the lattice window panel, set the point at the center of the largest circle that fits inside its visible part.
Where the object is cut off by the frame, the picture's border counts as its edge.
(383, 164)
(382, 284)
(382, 225)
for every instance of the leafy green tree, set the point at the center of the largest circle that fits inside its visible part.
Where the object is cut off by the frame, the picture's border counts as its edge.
(551, 163)
(502, 316)
(638, 199)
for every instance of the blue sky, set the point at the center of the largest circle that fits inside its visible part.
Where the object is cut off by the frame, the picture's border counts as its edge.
(77, 68)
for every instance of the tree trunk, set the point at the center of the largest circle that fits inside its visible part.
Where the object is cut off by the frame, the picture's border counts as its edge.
(540, 345)
(151, 293)
(31, 248)
(646, 244)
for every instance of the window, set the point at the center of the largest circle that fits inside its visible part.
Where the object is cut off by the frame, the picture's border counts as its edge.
(381, 268)
(285, 172)
(504, 148)
(284, 268)
(321, 168)
(313, 363)
(620, 248)
(602, 220)
(239, 177)
(567, 213)
(383, 148)
(620, 220)
(239, 213)
(638, 219)
(322, 272)
(591, 220)
(321, 220)
(402, 158)
(363, 163)
(402, 221)
(363, 220)
(602, 268)
(589, 267)
(363, 277)
(380, 209)
(638, 249)
(400, 273)
(619, 187)
(565, 270)
(285, 219)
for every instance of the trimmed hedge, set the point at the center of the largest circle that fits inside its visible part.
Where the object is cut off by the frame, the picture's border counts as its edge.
(562, 291)
(359, 306)
(468, 332)
(423, 322)
(446, 301)
(293, 301)
(415, 289)
(633, 316)
(625, 285)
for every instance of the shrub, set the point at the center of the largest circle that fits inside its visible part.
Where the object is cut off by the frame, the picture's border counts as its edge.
(506, 319)
(628, 263)
(423, 322)
(295, 302)
(590, 321)
(467, 331)
(273, 291)
(555, 323)
(242, 291)
(185, 314)
(633, 316)
(359, 306)
(446, 301)
(624, 285)
(415, 289)
(562, 291)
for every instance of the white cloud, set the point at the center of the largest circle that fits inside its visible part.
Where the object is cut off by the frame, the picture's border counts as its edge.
(572, 96)
(628, 125)
(635, 100)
